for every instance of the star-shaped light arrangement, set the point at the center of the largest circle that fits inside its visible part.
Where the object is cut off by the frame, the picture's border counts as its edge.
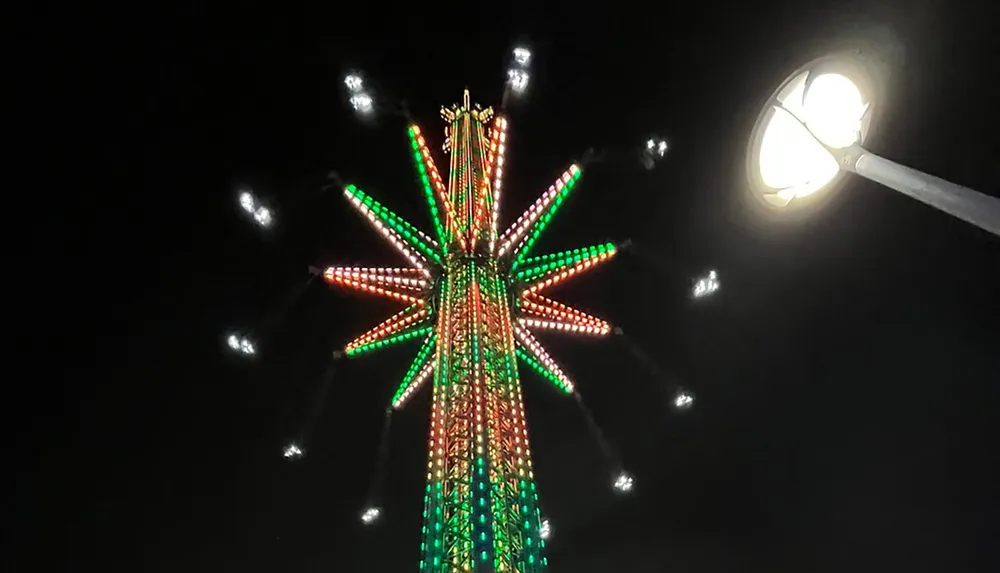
(466, 226)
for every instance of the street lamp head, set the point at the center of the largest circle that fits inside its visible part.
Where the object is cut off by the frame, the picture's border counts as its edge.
(821, 108)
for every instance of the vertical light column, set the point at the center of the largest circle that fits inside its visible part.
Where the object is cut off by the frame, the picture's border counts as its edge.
(433, 532)
(498, 147)
(521, 519)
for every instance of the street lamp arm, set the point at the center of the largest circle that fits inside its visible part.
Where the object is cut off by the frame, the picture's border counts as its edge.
(958, 201)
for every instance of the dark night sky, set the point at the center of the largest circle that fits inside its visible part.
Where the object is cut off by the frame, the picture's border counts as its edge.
(846, 376)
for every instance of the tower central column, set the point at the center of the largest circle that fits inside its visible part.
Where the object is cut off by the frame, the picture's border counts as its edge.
(480, 509)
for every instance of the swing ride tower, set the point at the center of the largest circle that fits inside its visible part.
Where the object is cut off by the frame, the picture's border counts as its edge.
(474, 296)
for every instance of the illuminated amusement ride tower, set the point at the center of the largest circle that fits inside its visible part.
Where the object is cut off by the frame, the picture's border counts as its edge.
(473, 296)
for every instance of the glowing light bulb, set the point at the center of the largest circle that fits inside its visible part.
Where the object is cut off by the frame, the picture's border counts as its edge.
(833, 109)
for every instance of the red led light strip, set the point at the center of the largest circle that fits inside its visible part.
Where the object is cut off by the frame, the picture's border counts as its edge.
(533, 347)
(439, 186)
(549, 309)
(390, 326)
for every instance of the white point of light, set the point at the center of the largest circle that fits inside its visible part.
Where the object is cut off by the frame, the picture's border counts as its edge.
(247, 201)
(292, 451)
(793, 160)
(656, 147)
(240, 344)
(370, 515)
(706, 285)
(263, 216)
(353, 83)
(683, 400)
(247, 347)
(518, 80)
(522, 56)
(545, 530)
(361, 103)
(624, 483)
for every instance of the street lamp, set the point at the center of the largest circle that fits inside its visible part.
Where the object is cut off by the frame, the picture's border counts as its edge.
(811, 131)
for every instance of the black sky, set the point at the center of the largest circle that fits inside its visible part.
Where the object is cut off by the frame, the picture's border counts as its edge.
(846, 376)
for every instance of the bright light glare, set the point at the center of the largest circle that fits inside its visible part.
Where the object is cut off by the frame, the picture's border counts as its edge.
(518, 80)
(522, 56)
(833, 110)
(247, 347)
(362, 103)
(240, 344)
(683, 400)
(370, 515)
(292, 451)
(706, 285)
(792, 162)
(353, 83)
(545, 530)
(624, 482)
(656, 148)
(247, 201)
(262, 216)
